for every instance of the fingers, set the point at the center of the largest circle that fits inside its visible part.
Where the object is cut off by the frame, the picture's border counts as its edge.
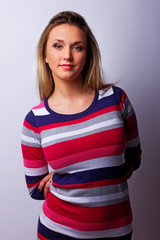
(44, 181)
(46, 188)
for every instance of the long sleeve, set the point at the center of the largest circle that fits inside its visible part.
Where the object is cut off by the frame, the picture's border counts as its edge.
(35, 165)
(133, 148)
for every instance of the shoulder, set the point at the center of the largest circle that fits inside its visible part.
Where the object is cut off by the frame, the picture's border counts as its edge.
(36, 111)
(113, 91)
(40, 109)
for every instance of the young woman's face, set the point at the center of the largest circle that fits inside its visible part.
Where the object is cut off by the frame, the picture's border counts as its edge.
(66, 52)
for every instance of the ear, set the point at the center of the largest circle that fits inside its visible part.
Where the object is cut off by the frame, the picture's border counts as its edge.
(46, 60)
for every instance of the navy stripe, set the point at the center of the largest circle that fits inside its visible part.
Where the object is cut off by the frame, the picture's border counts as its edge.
(96, 105)
(91, 175)
(31, 119)
(51, 235)
(33, 179)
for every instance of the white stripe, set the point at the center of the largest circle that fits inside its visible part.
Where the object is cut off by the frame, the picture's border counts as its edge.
(36, 171)
(133, 143)
(84, 234)
(83, 130)
(103, 94)
(96, 163)
(40, 111)
(80, 200)
(29, 139)
(129, 109)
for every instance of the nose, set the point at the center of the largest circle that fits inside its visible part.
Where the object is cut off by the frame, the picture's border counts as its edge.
(67, 54)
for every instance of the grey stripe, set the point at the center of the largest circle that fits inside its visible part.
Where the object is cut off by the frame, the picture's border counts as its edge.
(31, 134)
(88, 123)
(30, 144)
(87, 133)
(97, 191)
(105, 203)
(127, 109)
(92, 164)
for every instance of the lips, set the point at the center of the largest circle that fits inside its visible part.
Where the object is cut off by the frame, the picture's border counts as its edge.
(67, 66)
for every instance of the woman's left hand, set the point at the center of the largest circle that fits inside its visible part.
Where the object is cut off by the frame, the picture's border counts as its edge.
(45, 183)
(130, 169)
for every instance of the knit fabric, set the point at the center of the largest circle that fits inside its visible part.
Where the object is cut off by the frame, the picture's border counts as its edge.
(89, 153)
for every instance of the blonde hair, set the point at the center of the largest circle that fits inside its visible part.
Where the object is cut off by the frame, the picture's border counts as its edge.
(91, 72)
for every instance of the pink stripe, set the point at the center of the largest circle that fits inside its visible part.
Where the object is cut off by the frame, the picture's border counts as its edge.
(83, 226)
(87, 155)
(41, 105)
(34, 163)
(113, 137)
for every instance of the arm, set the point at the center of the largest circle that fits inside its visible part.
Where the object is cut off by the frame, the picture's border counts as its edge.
(35, 165)
(133, 148)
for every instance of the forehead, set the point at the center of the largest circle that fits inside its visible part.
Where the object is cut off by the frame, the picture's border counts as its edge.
(67, 31)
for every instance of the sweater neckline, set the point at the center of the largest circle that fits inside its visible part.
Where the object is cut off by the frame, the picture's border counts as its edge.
(75, 115)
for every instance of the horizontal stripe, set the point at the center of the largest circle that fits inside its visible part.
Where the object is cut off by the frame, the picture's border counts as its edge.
(92, 184)
(41, 105)
(83, 226)
(33, 163)
(34, 179)
(75, 126)
(29, 126)
(88, 214)
(36, 171)
(99, 200)
(86, 155)
(133, 142)
(33, 153)
(96, 163)
(113, 137)
(40, 237)
(40, 111)
(105, 93)
(79, 120)
(84, 234)
(30, 140)
(91, 175)
(97, 191)
(81, 132)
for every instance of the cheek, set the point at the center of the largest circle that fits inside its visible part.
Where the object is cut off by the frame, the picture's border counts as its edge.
(83, 60)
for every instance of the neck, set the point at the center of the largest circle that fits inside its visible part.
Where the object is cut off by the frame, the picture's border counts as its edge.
(69, 89)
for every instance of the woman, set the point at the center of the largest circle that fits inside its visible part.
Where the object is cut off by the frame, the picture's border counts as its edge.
(86, 131)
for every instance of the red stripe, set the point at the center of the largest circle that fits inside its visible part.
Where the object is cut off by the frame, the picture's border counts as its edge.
(76, 121)
(41, 237)
(86, 226)
(88, 214)
(87, 155)
(113, 137)
(131, 127)
(29, 126)
(107, 182)
(32, 153)
(31, 185)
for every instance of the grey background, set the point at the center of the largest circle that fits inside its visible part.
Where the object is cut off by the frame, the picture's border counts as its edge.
(128, 34)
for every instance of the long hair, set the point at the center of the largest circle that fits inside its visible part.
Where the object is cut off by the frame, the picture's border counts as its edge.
(92, 73)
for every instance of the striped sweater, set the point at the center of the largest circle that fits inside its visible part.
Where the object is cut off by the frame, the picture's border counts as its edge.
(88, 153)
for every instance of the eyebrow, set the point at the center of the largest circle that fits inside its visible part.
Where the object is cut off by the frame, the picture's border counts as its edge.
(77, 42)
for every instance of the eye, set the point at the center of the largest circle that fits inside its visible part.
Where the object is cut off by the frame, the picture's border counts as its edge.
(57, 46)
(78, 48)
